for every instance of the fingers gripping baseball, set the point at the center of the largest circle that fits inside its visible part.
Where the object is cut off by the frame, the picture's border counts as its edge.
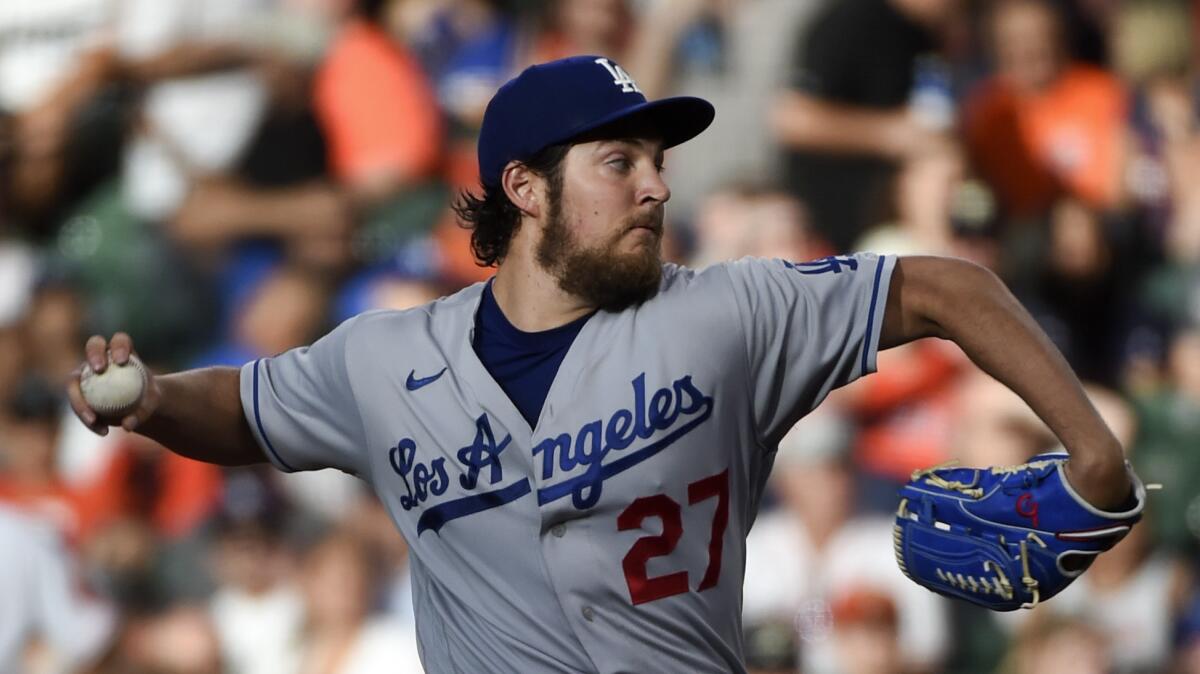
(112, 386)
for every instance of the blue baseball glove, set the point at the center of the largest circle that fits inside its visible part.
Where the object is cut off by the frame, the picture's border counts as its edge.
(1004, 538)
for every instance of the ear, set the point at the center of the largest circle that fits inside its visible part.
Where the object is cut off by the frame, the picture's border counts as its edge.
(523, 187)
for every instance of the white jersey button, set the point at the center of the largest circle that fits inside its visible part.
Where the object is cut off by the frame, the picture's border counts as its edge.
(588, 613)
(558, 530)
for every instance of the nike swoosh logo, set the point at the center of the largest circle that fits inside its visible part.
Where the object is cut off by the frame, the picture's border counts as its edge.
(413, 383)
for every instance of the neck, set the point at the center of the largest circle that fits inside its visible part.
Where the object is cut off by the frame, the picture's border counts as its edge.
(530, 296)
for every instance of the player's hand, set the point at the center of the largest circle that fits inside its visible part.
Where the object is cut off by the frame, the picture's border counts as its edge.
(96, 353)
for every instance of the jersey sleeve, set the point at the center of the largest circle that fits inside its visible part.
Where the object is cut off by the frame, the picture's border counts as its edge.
(809, 327)
(302, 409)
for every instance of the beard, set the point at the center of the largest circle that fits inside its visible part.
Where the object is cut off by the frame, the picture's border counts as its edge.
(601, 275)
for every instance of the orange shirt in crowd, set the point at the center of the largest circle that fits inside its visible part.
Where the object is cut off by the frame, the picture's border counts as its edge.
(377, 108)
(183, 494)
(907, 409)
(1030, 148)
(185, 491)
(75, 513)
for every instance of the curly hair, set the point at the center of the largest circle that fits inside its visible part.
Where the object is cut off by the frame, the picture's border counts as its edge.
(493, 219)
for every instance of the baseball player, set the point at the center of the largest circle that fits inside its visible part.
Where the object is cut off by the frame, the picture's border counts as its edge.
(576, 449)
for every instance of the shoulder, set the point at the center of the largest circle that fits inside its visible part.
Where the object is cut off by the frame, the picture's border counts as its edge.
(684, 285)
(678, 278)
(752, 270)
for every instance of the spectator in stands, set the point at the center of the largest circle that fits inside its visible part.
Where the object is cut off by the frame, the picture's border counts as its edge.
(18, 272)
(748, 220)
(58, 82)
(1049, 645)
(866, 632)
(1187, 652)
(468, 48)
(771, 647)
(256, 609)
(369, 522)
(176, 640)
(1167, 431)
(1077, 287)
(284, 310)
(571, 27)
(734, 53)
(1044, 125)
(905, 416)
(261, 171)
(1134, 595)
(225, 148)
(29, 480)
(46, 614)
(1166, 125)
(802, 556)
(340, 635)
(1153, 53)
(376, 107)
(846, 123)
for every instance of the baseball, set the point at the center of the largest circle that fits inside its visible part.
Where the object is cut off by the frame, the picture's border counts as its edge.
(116, 391)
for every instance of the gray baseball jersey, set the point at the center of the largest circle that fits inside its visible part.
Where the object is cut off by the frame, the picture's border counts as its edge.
(610, 537)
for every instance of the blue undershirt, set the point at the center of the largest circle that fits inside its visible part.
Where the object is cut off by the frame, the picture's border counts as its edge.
(523, 363)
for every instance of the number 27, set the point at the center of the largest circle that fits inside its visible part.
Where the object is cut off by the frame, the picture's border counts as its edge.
(643, 589)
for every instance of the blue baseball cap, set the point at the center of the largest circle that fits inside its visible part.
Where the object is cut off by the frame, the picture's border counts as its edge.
(562, 100)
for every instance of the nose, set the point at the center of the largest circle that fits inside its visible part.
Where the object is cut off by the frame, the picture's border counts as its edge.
(654, 188)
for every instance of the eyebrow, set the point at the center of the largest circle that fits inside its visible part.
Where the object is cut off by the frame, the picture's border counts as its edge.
(636, 142)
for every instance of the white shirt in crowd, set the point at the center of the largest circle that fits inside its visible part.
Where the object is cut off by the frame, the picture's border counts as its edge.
(786, 578)
(41, 599)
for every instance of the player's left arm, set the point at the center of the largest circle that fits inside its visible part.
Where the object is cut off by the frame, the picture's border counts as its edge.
(967, 304)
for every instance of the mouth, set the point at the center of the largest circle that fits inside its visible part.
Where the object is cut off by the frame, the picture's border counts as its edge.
(650, 225)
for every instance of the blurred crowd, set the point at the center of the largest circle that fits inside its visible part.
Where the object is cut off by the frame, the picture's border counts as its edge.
(227, 179)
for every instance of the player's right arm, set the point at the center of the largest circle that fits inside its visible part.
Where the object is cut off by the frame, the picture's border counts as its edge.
(197, 413)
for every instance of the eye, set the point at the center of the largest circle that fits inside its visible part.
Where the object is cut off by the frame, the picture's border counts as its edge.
(620, 163)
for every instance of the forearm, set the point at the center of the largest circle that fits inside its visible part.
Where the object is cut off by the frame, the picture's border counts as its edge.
(220, 211)
(199, 415)
(806, 122)
(186, 60)
(967, 304)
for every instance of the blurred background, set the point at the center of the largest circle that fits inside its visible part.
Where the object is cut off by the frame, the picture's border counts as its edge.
(227, 179)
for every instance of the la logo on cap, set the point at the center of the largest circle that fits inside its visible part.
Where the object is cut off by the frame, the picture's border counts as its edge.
(620, 77)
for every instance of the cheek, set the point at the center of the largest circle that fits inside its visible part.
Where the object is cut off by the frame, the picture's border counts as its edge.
(593, 216)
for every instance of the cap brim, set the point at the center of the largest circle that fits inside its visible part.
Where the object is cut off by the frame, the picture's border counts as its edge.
(676, 120)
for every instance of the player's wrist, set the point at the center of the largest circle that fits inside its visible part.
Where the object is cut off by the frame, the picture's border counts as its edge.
(1098, 479)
